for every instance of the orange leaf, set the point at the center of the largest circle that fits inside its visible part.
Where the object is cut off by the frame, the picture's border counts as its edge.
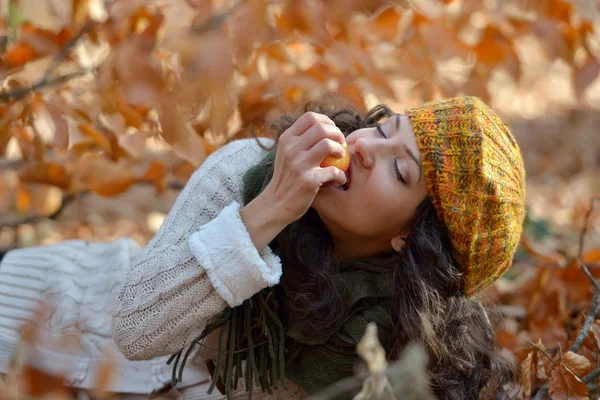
(352, 92)
(563, 385)
(156, 173)
(98, 137)
(387, 22)
(48, 173)
(591, 256)
(23, 200)
(106, 372)
(577, 363)
(39, 384)
(19, 55)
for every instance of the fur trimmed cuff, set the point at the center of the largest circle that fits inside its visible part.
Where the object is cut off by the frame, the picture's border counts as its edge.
(234, 266)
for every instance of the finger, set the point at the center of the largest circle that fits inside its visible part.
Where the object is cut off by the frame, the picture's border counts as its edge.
(318, 132)
(331, 174)
(325, 147)
(306, 121)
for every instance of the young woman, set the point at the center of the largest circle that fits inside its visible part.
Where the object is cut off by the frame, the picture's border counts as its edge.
(268, 268)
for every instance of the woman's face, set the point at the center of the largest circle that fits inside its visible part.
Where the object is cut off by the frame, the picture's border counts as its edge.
(386, 185)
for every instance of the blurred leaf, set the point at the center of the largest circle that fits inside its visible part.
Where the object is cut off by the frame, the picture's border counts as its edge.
(387, 22)
(23, 200)
(586, 74)
(48, 173)
(20, 54)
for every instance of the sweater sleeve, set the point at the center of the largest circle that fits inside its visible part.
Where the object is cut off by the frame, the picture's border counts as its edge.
(200, 261)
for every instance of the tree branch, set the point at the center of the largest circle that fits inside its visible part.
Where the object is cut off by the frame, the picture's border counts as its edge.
(66, 200)
(46, 80)
(215, 21)
(593, 310)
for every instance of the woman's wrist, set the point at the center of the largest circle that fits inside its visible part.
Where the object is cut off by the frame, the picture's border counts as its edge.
(262, 221)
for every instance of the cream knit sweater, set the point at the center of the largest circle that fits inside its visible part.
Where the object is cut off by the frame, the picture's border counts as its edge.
(144, 303)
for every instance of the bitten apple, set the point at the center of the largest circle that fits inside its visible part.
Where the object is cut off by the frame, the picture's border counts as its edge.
(341, 163)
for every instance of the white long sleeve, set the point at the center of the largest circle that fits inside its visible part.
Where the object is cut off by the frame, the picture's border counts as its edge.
(200, 261)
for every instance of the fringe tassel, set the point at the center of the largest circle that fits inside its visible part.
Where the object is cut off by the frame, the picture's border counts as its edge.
(256, 335)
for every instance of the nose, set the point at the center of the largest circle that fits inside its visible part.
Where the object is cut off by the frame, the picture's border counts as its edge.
(363, 152)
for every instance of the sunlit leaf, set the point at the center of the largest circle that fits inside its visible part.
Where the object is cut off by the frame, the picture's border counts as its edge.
(387, 22)
(563, 385)
(578, 364)
(526, 371)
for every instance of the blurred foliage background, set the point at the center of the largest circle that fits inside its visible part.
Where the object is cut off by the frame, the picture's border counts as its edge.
(108, 106)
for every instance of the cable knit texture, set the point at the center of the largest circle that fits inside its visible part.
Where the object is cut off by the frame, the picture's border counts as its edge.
(167, 298)
(148, 303)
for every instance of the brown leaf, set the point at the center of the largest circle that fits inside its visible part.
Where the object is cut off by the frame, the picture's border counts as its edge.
(38, 384)
(564, 385)
(96, 136)
(543, 364)
(586, 74)
(157, 174)
(103, 177)
(48, 173)
(179, 134)
(526, 372)
(578, 364)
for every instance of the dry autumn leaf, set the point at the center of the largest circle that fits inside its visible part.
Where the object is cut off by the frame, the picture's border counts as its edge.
(564, 385)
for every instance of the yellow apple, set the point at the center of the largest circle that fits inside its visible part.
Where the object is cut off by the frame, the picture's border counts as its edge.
(341, 163)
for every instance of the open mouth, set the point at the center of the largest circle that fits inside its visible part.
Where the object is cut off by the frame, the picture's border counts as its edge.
(346, 185)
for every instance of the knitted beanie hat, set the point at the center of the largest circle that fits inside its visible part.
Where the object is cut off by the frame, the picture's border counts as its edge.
(476, 180)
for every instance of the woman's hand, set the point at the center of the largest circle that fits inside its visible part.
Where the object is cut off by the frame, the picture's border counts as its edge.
(297, 175)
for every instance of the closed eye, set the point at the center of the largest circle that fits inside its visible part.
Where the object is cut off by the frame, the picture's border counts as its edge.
(396, 168)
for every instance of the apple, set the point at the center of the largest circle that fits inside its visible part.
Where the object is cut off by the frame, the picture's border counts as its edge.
(341, 163)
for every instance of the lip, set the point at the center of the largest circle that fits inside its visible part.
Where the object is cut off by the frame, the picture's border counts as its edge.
(349, 171)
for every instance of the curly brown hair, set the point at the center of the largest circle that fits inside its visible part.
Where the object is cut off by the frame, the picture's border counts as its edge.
(465, 360)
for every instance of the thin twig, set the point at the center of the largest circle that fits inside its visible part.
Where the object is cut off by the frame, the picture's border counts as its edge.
(215, 21)
(46, 80)
(585, 225)
(64, 52)
(24, 91)
(544, 352)
(587, 324)
(592, 376)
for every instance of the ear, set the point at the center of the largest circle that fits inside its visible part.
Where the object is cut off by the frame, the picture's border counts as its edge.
(398, 242)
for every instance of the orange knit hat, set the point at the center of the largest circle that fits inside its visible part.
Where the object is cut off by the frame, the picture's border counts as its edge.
(476, 181)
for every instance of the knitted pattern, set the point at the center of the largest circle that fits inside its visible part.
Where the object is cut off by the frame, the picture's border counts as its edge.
(476, 180)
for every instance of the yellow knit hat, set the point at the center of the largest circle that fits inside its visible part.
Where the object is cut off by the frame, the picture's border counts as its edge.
(476, 181)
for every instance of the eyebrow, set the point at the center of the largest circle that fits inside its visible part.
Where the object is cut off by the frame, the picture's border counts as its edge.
(409, 151)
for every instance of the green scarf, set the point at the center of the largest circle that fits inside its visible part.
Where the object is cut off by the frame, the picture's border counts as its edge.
(312, 360)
